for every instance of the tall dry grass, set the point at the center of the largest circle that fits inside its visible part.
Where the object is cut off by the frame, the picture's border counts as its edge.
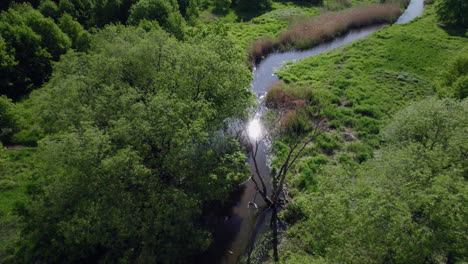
(309, 33)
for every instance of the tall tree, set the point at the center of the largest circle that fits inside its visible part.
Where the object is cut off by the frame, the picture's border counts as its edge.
(32, 42)
(137, 151)
(165, 12)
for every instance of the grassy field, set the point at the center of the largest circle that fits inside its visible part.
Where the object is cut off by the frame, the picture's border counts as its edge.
(372, 78)
(365, 83)
(15, 174)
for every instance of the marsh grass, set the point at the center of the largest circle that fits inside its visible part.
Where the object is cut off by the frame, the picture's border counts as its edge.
(310, 32)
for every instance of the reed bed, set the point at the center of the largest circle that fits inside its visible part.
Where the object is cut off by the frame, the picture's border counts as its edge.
(310, 32)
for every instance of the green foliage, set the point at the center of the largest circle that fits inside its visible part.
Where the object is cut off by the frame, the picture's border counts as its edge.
(405, 206)
(30, 43)
(80, 37)
(8, 119)
(428, 123)
(165, 12)
(328, 143)
(454, 81)
(453, 11)
(136, 152)
(49, 9)
(82, 10)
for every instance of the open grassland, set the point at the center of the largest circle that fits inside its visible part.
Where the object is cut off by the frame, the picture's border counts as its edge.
(370, 79)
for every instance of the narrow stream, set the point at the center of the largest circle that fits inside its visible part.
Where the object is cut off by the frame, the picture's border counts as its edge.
(234, 234)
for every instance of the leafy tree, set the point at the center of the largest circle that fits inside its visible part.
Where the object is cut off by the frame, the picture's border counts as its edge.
(192, 11)
(165, 12)
(32, 42)
(454, 81)
(67, 6)
(80, 37)
(453, 11)
(137, 152)
(49, 9)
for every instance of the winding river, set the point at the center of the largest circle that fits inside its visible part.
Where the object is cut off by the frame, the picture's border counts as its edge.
(237, 230)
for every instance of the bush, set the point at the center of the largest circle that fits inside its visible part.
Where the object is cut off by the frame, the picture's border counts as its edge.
(328, 143)
(454, 82)
(368, 125)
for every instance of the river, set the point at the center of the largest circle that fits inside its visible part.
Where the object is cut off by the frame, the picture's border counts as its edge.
(237, 230)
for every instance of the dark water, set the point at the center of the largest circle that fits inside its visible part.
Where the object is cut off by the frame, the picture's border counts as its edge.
(242, 224)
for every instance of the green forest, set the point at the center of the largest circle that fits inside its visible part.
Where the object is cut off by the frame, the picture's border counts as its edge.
(116, 141)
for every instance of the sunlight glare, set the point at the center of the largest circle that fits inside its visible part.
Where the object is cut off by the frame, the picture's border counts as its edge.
(254, 128)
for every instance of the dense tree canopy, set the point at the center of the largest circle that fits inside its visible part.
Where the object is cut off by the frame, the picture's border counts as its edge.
(29, 43)
(165, 12)
(137, 150)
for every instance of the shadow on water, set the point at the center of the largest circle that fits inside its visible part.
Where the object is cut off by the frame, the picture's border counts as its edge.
(235, 229)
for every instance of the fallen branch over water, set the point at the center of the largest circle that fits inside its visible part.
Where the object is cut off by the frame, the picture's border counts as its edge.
(311, 32)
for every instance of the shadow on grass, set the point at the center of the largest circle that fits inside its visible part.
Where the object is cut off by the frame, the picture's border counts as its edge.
(312, 3)
(454, 30)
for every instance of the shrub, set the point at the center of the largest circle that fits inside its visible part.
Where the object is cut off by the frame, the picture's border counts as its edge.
(454, 81)
(368, 110)
(328, 143)
(368, 125)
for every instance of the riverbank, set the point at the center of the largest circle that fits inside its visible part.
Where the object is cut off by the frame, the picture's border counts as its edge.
(364, 84)
(310, 32)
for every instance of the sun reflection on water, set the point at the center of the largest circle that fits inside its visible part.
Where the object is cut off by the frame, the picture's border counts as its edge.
(254, 129)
